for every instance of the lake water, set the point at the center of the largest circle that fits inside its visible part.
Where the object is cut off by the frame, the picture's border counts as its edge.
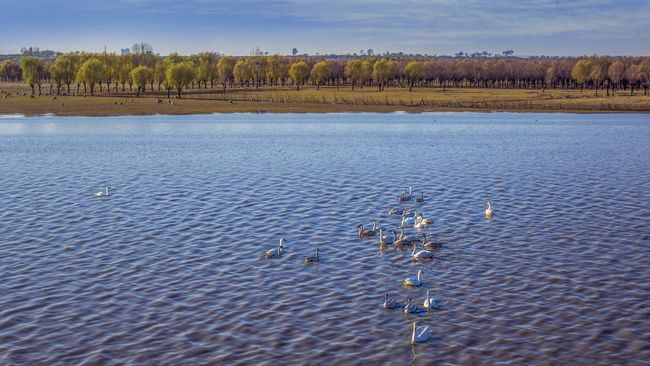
(168, 269)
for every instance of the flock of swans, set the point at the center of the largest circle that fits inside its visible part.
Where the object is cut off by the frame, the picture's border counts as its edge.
(409, 217)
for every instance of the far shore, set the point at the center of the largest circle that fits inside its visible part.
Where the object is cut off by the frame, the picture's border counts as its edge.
(325, 100)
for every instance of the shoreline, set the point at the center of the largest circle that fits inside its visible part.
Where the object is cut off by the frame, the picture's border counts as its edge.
(9, 116)
(310, 100)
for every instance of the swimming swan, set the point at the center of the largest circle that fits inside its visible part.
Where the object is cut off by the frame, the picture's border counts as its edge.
(414, 281)
(367, 232)
(275, 253)
(390, 304)
(422, 254)
(425, 220)
(386, 239)
(410, 213)
(420, 334)
(412, 309)
(406, 195)
(488, 211)
(421, 198)
(420, 224)
(395, 211)
(403, 241)
(412, 238)
(407, 221)
(105, 193)
(313, 259)
(430, 244)
(431, 302)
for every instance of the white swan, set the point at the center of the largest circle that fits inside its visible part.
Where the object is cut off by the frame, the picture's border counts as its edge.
(420, 224)
(421, 198)
(414, 281)
(411, 238)
(431, 302)
(411, 308)
(275, 253)
(430, 244)
(313, 259)
(420, 217)
(386, 239)
(410, 213)
(422, 254)
(395, 211)
(420, 334)
(390, 304)
(105, 193)
(488, 211)
(407, 221)
(403, 241)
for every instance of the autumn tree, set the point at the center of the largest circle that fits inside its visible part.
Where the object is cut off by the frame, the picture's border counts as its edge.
(123, 69)
(615, 74)
(354, 71)
(599, 70)
(56, 77)
(383, 72)
(276, 69)
(319, 73)
(204, 65)
(90, 73)
(367, 68)
(633, 76)
(242, 72)
(141, 75)
(179, 76)
(225, 68)
(9, 70)
(32, 71)
(159, 74)
(582, 72)
(258, 69)
(110, 63)
(298, 72)
(414, 71)
(644, 70)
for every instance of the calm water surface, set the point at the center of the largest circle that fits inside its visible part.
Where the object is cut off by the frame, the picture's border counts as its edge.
(168, 270)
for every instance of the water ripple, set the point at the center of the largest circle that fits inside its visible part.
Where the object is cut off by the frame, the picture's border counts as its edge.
(168, 270)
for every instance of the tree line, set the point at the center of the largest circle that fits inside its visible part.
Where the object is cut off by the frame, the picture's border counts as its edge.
(145, 71)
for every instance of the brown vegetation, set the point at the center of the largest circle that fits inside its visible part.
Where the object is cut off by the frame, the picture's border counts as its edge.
(327, 99)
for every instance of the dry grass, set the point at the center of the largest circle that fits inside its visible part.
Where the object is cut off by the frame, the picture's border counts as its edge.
(325, 100)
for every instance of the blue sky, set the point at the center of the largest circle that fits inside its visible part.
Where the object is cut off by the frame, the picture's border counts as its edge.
(550, 27)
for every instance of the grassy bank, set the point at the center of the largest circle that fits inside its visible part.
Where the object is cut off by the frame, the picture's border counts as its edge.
(330, 99)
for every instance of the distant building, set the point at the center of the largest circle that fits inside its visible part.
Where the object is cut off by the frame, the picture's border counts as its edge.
(125, 51)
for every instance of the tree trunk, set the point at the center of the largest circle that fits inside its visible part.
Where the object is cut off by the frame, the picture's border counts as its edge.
(179, 93)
